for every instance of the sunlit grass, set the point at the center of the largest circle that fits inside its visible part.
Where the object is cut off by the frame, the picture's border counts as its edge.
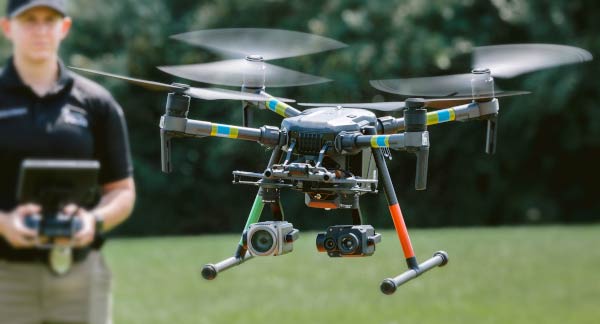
(500, 275)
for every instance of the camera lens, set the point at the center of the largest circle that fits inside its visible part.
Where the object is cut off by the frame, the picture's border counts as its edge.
(329, 244)
(348, 243)
(262, 241)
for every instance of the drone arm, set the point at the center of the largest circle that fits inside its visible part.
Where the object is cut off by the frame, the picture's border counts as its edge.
(414, 142)
(474, 110)
(202, 128)
(265, 135)
(395, 141)
(390, 125)
(471, 111)
(353, 141)
(280, 107)
(486, 110)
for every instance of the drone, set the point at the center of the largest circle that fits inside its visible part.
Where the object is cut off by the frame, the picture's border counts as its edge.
(334, 153)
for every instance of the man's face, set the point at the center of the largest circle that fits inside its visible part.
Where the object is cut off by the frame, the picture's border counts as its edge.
(36, 33)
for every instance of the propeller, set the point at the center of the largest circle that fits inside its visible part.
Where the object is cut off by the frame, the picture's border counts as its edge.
(198, 93)
(435, 103)
(508, 61)
(239, 72)
(271, 44)
(247, 49)
(502, 61)
(381, 106)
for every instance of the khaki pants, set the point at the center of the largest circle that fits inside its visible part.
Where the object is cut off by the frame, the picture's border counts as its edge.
(31, 294)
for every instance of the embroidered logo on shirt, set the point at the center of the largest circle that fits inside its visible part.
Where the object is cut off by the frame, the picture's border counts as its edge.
(13, 112)
(74, 116)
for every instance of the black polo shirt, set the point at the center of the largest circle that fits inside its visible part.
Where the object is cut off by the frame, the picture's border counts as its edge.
(77, 119)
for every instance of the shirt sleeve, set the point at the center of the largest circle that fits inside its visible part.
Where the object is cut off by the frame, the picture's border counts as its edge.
(111, 142)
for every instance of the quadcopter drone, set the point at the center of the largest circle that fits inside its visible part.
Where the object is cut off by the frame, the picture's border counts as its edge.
(334, 153)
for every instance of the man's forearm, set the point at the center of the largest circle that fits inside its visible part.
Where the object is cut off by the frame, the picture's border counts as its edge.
(3, 217)
(116, 203)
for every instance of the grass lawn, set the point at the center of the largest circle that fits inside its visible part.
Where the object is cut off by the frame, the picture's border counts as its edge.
(496, 275)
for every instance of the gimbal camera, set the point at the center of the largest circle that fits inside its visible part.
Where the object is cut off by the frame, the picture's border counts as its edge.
(270, 238)
(348, 240)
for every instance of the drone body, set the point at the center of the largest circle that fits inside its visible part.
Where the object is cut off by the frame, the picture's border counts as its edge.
(331, 177)
(335, 153)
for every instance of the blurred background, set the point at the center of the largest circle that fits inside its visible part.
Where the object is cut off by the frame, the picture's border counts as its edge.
(545, 169)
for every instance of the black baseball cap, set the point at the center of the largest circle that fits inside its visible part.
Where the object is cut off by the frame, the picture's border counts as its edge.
(17, 7)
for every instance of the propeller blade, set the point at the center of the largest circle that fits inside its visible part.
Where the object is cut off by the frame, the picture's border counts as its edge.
(150, 85)
(442, 103)
(269, 43)
(198, 93)
(503, 61)
(440, 86)
(435, 103)
(218, 94)
(507, 61)
(381, 106)
(235, 72)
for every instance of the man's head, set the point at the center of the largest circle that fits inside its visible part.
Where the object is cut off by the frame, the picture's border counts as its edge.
(36, 28)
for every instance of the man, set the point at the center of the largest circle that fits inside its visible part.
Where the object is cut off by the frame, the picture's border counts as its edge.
(47, 111)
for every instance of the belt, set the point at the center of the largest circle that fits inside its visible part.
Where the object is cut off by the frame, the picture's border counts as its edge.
(39, 255)
(11, 254)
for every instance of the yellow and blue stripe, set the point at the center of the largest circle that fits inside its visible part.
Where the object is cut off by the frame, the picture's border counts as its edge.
(219, 130)
(380, 141)
(441, 116)
(277, 107)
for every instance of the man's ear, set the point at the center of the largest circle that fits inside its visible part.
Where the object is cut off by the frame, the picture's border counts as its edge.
(65, 27)
(5, 24)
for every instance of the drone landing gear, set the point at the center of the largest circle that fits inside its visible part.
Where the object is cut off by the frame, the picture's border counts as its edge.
(389, 285)
(269, 195)
(210, 271)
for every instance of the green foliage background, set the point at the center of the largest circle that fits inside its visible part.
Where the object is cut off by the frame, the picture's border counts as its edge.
(545, 169)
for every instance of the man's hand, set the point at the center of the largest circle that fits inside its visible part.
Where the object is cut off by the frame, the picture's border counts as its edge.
(12, 226)
(85, 236)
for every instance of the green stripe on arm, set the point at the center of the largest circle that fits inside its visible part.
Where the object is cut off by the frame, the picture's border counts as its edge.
(255, 212)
